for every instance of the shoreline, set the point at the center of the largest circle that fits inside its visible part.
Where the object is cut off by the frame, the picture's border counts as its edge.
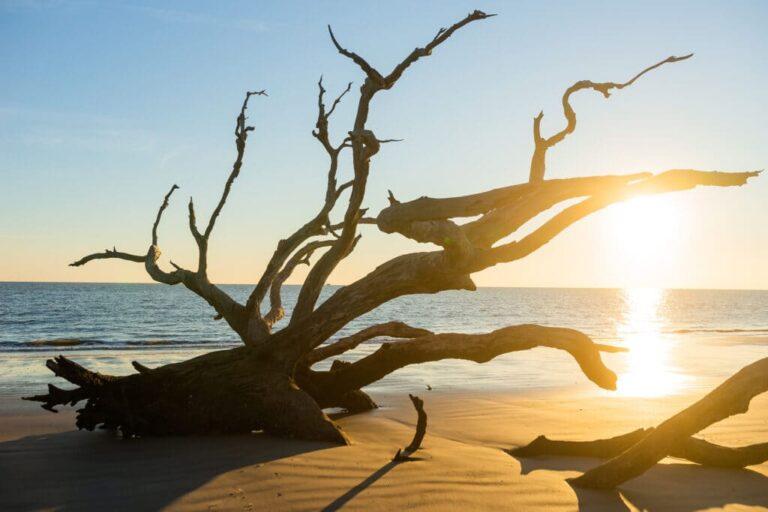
(46, 464)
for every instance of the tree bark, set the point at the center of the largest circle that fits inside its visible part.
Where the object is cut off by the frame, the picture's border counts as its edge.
(220, 392)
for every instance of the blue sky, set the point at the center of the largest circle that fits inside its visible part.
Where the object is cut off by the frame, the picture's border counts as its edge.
(103, 105)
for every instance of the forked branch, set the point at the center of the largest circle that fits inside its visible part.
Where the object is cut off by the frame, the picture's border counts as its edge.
(300, 257)
(198, 282)
(320, 224)
(365, 145)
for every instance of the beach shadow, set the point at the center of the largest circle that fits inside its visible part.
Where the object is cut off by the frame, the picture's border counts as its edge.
(665, 487)
(345, 498)
(82, 471)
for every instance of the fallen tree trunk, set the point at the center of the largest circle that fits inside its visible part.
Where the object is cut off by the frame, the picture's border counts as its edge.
(240, 391)
(731, 397)
(220, 392)
(692, 449)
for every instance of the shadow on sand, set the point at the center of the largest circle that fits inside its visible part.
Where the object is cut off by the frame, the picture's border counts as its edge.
(342, 500)
(665, 487)
(80, 471)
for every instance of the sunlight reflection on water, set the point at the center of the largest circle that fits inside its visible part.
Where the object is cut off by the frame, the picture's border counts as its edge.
(650, 370)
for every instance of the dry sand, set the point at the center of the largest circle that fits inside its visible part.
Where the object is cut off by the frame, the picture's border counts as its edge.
(46, 465)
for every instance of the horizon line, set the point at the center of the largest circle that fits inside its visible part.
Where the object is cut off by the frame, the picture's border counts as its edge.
(340, 285)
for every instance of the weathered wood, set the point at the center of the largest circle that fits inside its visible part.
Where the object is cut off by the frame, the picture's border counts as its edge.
(692, 449)
(731, 397)
(406, 453)
(473, 347)
(268, 383)
(226, 391)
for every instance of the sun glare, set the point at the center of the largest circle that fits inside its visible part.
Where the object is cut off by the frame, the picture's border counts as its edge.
(649, 370)
(644, 235)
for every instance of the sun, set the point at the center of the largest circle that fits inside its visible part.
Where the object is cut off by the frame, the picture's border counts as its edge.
(644, 236)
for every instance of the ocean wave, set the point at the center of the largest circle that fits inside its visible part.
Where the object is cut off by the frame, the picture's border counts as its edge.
(56, 342)
(95, 344)
(722, 331)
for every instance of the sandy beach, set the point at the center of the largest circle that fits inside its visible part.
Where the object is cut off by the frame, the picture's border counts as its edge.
(47, 465)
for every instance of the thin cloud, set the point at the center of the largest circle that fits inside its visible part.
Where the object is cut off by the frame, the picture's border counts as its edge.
(157, 13)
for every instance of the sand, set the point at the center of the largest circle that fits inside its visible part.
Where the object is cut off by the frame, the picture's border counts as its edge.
(47, 465)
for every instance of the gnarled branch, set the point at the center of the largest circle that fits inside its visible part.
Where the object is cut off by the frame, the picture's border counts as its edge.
(473, 347)
(364, 145)
(542, 144)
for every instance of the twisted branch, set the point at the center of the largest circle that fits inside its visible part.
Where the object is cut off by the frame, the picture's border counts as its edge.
(479, 348)
(538, 160)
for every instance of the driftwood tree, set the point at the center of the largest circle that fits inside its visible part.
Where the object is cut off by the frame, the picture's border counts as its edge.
(269, 383)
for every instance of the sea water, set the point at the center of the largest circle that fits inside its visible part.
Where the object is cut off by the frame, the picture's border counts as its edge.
(677, 339)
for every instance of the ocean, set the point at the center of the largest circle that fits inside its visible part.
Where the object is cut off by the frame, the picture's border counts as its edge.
(677, 339)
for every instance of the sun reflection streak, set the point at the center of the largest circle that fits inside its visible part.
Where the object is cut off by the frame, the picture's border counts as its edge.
(649, 370)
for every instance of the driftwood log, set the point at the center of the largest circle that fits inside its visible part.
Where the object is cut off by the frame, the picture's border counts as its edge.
(634, 453)
(406, 453)
(691, 449)
(269, 382)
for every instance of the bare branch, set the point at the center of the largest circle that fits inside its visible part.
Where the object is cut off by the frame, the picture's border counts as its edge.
(369, 71)
(669, 181)
(365, 145)
(108, 254)
(241, 136)
(315, 226)
(115, 254)
(197, 282)
(389, 329)
(473, 347)
(441, 37)
(505, 220)
(160, 213)
(542, 144)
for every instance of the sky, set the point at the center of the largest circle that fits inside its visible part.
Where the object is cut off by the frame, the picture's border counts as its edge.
(104, 105)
